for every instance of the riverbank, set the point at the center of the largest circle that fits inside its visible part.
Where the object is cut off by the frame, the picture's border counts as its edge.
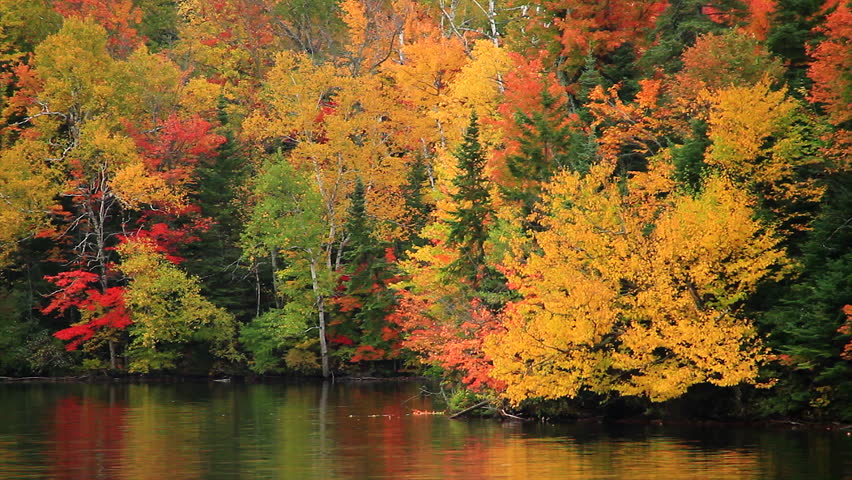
(481, 410)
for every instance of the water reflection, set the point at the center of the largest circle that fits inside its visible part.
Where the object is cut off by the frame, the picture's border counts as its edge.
(79, 425)
(354, 431)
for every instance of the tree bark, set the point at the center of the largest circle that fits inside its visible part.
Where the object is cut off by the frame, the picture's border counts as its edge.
(273, 255)
(321, 315)
(112, 362)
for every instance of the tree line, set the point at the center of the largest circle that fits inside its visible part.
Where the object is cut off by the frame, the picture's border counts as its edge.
(549, 204)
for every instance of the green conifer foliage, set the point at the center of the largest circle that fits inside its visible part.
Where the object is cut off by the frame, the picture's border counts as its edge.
(416, 206)
(473, 215)
(679, 26)
(804, 322)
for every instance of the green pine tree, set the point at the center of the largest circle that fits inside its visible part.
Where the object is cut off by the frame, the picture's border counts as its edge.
(473, 214)
(367, 275)
(791, 30)
(418, 210)
(804, 321)
(681, 23)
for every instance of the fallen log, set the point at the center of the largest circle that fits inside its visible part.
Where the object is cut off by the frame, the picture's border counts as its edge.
(469, 409)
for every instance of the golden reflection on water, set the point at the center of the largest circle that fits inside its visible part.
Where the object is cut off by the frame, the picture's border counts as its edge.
(141, 432)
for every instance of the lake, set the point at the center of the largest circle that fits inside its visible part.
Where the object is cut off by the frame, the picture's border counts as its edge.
(362, 431)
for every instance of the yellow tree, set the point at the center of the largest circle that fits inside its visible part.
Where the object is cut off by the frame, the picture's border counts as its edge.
(333, 128)
(764, 141)
(78, 113)
(338, 128)
(27, 189)
(374, 30)
(421, 72)
(167, 310)
(438, 80)
(633, 292)
(233, 40)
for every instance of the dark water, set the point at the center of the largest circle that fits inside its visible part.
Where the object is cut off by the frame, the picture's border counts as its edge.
(361, 431)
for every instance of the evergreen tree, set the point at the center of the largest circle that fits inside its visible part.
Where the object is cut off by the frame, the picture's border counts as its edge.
(547, 145)
(358, 229)
(471, 225)
(470, 221)
(804, 323)
(369, 271)
(215, 257)
(790, 31)
(621, 66)
(416, 206)
(678, 27)
(590, 77)
(688, 158)
(549, 141)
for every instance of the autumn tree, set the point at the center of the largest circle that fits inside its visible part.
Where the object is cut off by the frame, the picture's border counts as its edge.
(832, 66)
(465, 19)
(232, 41)
(77, 118)
(119, 18)
(632, 132)
(373, 30)
(364, 298)
(634, 291)
(332, 127)
(122, 167)
(765, 142)
(289, 219)
(444, 322)
(422, 73)
(23, 26)
(27, 188)
(166, 309)
(718, 61)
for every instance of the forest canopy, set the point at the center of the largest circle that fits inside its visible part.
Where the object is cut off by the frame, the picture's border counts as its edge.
(537, 202)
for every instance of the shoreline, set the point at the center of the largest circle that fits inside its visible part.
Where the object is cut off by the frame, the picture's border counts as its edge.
(769, 423)
(166, 379)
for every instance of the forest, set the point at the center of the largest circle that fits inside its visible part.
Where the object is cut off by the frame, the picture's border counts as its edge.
(558, 206)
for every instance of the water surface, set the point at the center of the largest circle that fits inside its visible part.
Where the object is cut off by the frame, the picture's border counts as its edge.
(362, 431)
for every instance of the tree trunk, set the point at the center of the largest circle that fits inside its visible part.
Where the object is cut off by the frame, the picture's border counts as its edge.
(257, 287)
(273, 255)
(321, 314)
(112, 362)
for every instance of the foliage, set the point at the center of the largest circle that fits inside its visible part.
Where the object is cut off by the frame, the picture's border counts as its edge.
(27, 188)
(634, 292)
(808, 322)
(764, 141)
(616, 223)
(725, 60)
(166, 309)
(288, 220)
(832, 66)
